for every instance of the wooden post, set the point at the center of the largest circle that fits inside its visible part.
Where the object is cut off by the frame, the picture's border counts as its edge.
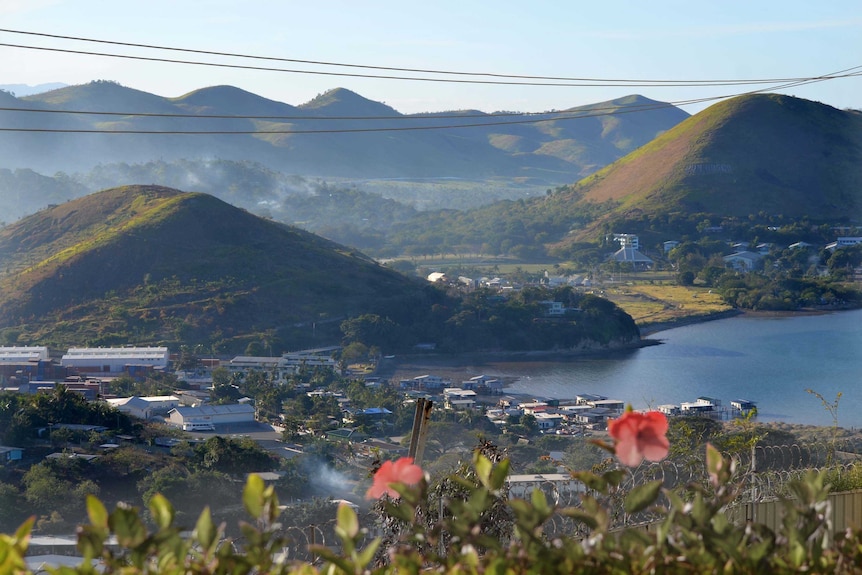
(420, 429)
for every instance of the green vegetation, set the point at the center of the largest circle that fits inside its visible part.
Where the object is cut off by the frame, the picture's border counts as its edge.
(465, 522)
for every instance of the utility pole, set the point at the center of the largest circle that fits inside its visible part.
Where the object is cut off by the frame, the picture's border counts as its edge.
(420, 429)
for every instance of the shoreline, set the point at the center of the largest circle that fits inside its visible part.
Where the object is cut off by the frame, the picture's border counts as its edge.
(458, 367)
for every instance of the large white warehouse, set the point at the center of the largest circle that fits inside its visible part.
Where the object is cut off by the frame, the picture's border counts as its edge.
(114, 360)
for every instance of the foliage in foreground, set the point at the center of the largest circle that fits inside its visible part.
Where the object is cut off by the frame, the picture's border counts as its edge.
(692, 534)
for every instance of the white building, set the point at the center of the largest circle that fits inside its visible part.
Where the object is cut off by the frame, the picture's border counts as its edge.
(460, 399)
(628, 241)
(114, 360)
(210, 416)
(145, 407)
(743, 261)
(286, 365)
(548, 420)
(555, 485)
(23, 354)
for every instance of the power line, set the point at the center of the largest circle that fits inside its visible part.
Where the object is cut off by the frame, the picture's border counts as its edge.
(579, 81)
(345, 130)
(559, 114)
(569, 84)
(609, 112)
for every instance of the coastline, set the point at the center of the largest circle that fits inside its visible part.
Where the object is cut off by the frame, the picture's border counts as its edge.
(458, 367)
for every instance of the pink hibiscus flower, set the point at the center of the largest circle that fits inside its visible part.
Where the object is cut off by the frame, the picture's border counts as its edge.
(639, 436)
(401, 471)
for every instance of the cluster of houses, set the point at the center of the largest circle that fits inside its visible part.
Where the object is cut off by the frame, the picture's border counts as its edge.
(586, 411)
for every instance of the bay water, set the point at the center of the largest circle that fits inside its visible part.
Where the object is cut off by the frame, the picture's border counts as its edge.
(769, 360)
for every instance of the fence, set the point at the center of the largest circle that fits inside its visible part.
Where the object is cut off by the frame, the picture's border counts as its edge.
(764, 471)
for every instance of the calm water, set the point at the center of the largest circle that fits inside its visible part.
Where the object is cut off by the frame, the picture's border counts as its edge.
(771, 361)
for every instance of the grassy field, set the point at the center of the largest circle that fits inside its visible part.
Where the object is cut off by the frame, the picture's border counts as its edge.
(650, 303)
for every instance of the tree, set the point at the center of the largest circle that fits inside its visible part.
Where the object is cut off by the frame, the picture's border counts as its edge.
(233, 457)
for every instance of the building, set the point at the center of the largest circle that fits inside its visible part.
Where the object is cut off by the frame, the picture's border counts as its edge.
(288, 364)
(555, 485)
(426, 383)
(743, 261)
(204, 416)
(460, 399)
(145, 407)
(628, 241)
(632, 256)
(115, 360)
(547, 421)
(23, 354)
(8, 454)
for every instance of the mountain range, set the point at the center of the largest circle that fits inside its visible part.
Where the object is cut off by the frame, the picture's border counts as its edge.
(356, 137)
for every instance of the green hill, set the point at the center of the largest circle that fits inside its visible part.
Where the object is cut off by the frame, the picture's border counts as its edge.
(759, 153)
(146, 264)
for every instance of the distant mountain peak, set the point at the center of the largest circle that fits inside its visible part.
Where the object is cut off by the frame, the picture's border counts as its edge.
(227, 98)
(344, 102)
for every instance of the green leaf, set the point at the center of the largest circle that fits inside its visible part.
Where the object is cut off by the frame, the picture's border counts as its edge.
(577, 514)
(161, 510)
(591, 480)
(22, 534)
(252, 495)
(128, 527)
(205, 531)
(483, 467)
(91, 540)
(499, 474)
(715, 464)
(540, 502)
(367, 554)
(347, 524)
(642, 496)
(614, 477)
(97, 512)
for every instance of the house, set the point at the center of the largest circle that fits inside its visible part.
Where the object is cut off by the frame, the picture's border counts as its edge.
(548, 420)
(743, 406)
(8, 454)
(633, 257)
(588, 398)
(669, 409)
(743, 261)
(483, 384)
(553, 308)
(425, 382)
(209, 416)
(533, 407)
(616, 405)
(669, 245)
(145, 407)
(701, 405)
(594, 418)
(555, 484)
(460, 399)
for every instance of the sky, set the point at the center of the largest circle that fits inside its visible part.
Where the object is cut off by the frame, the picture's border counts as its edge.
(680, 41)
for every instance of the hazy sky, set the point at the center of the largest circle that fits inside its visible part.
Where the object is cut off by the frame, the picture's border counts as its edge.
(622, 40)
